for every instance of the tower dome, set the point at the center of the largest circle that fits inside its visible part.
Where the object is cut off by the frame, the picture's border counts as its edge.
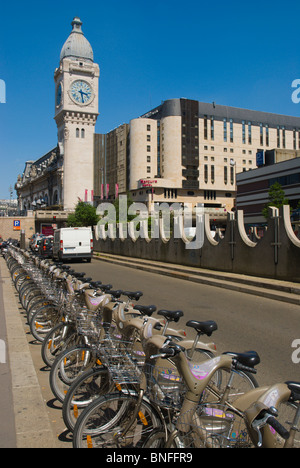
(77, 46)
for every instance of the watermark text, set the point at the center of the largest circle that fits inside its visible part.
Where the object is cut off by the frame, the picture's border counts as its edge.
(2, 92)
(296, 92)
(296, 353)
(177, 220)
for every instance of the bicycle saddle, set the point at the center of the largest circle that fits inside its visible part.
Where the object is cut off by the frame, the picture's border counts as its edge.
(95, 284)
(172, 315)
(133, 295)
(145, 310)
(79, 275)
(105, 287)
(116, 294)
(249, 358)
(207, 328)
(295, 389)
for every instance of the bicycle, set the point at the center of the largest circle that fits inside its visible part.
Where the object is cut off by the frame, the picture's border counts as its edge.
(65, 334)
(130, 418)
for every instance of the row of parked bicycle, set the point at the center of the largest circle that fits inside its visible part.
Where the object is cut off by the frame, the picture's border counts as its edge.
(127, 378)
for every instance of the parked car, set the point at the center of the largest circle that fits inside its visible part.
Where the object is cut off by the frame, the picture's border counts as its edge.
(3, 247)
(32, 240)
(46, 247)
(36, 243)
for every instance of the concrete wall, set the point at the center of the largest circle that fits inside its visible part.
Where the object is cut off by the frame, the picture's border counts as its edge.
(275, 255)
(7, 227)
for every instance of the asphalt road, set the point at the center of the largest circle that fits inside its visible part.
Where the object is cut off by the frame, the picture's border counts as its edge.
(245, 322)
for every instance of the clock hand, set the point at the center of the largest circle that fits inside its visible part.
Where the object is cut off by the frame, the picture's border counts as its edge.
(82, 93)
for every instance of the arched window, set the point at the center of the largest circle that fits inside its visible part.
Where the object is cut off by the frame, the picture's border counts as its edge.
(77, 132)
(82, 133)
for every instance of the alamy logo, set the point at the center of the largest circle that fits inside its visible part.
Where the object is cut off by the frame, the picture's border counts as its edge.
(296, 93)
(157, 223)
(2, 92)
(296, 353)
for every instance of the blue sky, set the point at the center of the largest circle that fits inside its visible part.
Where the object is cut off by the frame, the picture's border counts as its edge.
(242, 54)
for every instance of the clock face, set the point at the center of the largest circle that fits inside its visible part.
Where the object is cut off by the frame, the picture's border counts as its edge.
(81, 92)
(58, 95)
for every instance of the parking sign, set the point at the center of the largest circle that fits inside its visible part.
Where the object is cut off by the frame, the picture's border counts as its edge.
(17, 225)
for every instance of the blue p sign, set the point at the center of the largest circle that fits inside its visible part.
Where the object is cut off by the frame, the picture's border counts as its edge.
(2, 92)
(17, 225)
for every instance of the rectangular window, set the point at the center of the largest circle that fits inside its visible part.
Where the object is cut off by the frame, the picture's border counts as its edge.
(244, 132)
(283, 137)
(225, 129)
(261, 134)
(267, 135)
(212, 128)
(205, 127)
(148, 148)
(148, 137)
(232, 175)
(278, 137)
(148, 127)
(249, 133)
(212, 174)
(205, 173)
(225, 175)
(231, 131)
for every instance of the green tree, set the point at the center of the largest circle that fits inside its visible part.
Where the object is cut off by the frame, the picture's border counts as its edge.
(276, 198)
(84, 215)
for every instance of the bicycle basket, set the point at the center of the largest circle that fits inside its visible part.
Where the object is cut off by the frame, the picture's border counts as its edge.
(117, 354)
(212, 426)
(165, 386)
(89, 324)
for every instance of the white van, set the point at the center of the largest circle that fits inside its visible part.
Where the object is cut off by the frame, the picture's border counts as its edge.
(76, 242)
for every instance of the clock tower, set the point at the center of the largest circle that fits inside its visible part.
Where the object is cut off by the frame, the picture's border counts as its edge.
(76, 111)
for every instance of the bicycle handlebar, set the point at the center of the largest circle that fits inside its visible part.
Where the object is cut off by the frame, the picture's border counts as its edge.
(238, 366)
(170, 351)
(268, 417)
(282, 431)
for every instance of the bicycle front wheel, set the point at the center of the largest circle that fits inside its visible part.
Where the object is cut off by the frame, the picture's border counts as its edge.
(92, 384)
(57, 340)
(102, 424)
(67, 367)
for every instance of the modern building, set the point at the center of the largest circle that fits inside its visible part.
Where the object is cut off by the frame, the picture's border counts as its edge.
(190, 152)
(280, 166)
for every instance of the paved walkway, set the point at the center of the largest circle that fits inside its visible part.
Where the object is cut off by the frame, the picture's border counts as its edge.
(25, 423)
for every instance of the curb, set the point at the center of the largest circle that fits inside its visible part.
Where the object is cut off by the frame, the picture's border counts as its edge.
(271, 289)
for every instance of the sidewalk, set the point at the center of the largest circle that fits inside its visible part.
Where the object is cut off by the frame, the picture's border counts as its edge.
(7, 420)
(32, 426)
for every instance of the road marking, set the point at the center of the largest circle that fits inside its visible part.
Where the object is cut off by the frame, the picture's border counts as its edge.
(2, 352)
